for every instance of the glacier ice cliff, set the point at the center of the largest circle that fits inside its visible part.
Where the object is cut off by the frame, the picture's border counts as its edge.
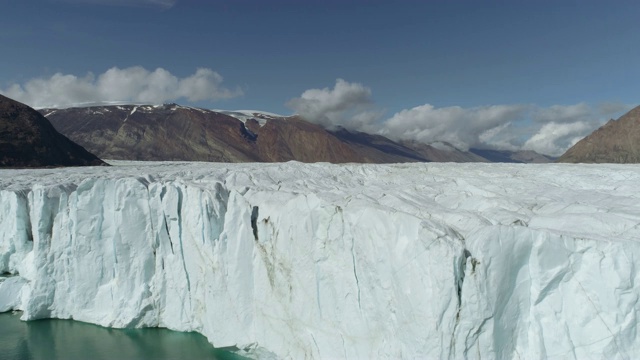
(335, 261)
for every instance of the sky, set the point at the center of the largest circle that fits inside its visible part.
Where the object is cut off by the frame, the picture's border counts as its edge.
(510, 74)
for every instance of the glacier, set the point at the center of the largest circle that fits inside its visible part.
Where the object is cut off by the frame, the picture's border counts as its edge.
(297, 260)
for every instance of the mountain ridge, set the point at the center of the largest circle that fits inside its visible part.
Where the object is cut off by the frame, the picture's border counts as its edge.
(617, 141)
(28, 139)
(175, 132)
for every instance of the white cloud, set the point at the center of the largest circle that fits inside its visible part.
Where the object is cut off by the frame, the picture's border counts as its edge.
(461, 127)
(347, 104)
(549, 130)
(546, 130)
(204, 85)
(561, 126)
(503, 137)
(134, 84)
(555, 138)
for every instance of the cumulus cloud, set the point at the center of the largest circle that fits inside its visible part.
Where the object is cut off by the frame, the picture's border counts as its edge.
(555, 138)
(163, 4)
(461, 127)
(548, 130)
(134, 84)
(562, 126)
(347, 104)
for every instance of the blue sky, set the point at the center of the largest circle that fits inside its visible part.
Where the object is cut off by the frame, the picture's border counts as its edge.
(439, 65)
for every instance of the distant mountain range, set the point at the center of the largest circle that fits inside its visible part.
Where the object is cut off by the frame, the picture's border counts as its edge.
(27, 139)
(520, 156)
(618, 141)
(174, 132)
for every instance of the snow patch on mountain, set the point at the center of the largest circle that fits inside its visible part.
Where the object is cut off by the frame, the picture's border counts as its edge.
(335, 261)
(443, 146)
(243, 115)
(50, 113)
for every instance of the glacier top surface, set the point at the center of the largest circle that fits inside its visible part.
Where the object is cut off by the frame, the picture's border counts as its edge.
(585, 201)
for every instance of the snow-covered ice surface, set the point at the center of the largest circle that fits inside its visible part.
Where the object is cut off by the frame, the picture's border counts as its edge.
(335, 261)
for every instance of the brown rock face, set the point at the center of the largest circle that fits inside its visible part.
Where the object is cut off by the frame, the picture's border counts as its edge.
(618, 141)
(377, 148)
(27, 139)
(295, 139)
(156, 133)
(172, 132)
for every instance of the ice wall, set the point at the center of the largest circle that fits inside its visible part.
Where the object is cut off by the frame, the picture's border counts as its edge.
(320, 261)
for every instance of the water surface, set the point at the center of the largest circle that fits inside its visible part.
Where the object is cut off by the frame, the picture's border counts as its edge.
(69, 340)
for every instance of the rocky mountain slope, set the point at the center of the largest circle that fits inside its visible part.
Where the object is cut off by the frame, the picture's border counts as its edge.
(27, 139)
(506, 156)
(173, 132)
(444, 152)
(156, 133)
(618, 141)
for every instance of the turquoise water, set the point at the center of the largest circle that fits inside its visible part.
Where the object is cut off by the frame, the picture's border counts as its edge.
(68, 340)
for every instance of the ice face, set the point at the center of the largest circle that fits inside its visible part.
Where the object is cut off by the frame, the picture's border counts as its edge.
(334, 261)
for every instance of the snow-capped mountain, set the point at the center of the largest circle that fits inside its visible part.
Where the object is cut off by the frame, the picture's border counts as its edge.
(433, 261)
(174, 132)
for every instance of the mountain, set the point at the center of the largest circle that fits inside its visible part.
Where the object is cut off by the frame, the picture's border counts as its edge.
(617, 141)
(380, 149)
(284, 139)
(27, 139)
(506, 156)
(173, 132)
(443, 152)
(377, 148)
(167, 132)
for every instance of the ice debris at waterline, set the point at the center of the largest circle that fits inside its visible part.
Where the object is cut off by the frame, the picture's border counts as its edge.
(335, 261)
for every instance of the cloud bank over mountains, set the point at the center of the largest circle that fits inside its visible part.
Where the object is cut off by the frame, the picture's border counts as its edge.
(347, 104)
(547, 130)
(134, 84)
